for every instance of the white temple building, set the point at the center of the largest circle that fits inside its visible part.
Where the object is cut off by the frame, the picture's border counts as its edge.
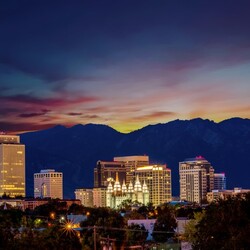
(117, 193)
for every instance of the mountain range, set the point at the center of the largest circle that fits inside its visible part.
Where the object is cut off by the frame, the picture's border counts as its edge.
(75, 150)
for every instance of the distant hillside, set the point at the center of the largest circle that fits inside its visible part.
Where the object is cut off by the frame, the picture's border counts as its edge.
(75, 150)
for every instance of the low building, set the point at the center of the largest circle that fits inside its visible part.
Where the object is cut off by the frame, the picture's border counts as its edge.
(224, 194)
(99, 197)
(85, 195)
(48, 183)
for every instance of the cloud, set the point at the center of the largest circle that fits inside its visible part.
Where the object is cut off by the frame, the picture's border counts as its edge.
(20, 127)
(28, 115)
(74, 114)
(64, 100)
(154, 116)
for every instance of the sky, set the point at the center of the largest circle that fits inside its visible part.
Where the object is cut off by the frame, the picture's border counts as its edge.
(122, 63)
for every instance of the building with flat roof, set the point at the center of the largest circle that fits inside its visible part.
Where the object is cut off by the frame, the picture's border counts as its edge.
(48, 183)
(12, 166)
(196, 179)
(220, 181)
(99, 197)
(105, 171)
(85, 195)
(158, 180)
(131, 163)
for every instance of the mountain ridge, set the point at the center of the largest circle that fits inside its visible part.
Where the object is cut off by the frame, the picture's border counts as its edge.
(75, 150)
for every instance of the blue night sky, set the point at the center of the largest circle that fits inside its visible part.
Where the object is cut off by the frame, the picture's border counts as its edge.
(126, 64)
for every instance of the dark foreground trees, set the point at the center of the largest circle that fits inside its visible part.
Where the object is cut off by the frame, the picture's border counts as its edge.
(224, 225)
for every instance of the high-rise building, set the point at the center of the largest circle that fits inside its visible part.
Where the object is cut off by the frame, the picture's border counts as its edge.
(131, 163)
(158, 180)
(105, 171)
(125, 166)
(219, 181)
(196, 179)
(85, 195)
(48, 183)
(12, 166)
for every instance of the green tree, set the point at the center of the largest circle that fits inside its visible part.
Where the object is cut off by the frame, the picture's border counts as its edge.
(165, 224)
(136, 234)
(225, 225)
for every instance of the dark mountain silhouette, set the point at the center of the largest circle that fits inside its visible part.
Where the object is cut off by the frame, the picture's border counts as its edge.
(75, 150)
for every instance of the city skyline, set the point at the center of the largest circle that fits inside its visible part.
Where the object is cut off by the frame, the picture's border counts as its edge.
(123, 64)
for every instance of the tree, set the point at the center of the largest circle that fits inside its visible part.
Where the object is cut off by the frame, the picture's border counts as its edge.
(136, 234)
(224, 225)
(165, 224)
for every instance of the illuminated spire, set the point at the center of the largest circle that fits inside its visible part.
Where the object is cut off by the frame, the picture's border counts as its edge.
(130, 188)
(144, 187)
(137, 187)
(117, 185)
(124, 187)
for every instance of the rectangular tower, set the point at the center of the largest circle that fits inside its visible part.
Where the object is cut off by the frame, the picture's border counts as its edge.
(131, 163)
(106, 171)
(158, 180)
(219, 181)
(196, 179)
(12, 166)
(48, 183)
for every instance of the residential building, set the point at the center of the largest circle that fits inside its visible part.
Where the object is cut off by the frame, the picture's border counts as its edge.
(219, 181)
(12, 166)
(85, 195)
(48, 183)
(158, 181)
(117, 193)
(196, 179)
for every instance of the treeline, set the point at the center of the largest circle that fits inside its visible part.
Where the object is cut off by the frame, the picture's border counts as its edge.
(224, 225)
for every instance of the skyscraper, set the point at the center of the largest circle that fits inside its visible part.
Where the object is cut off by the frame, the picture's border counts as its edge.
(131, 163)
(219, 181)
(12, 166)
(158, 180)
(105, 171)
(48, 183)
(196, 179)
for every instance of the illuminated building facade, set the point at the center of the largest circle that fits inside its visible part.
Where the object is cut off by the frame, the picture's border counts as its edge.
(219, 181)
(125, 166)
(196, 179)
(105, 171)
(85, 195)
(158, 181)
(117, 193)
(48, 183)
(131, 163)
(12, 166)
(99, 197)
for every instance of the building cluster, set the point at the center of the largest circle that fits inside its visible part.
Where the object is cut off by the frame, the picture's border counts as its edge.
(127, 178)
(131, 178)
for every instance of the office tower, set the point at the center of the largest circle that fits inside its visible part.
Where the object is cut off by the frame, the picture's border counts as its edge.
(105, 171)
(158, 181)
(219, 181)
(48, 183)
(85, 195)
(12, 166)
(131, 163)
(196, 179)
